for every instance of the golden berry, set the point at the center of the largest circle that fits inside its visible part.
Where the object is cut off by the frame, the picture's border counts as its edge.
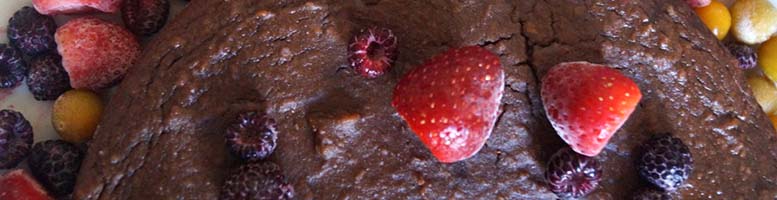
(717, 18)
(764, 91)
(774, 120)
(76, 114)
(767, 58)
(754, 20)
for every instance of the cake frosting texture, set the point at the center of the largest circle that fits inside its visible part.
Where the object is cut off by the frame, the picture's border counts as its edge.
(162, 136)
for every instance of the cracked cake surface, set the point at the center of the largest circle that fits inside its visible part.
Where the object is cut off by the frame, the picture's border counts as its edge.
(339, 138)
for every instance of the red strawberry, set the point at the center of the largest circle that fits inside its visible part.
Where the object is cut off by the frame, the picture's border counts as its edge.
(53, 7)
(451, 102)
(586, 103)
(95, 53)
(19, 185)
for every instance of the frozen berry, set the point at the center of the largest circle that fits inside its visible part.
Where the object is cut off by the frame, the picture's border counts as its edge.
(145, 17)
(373, 52)
(19, 185)
(47, 79)
(572, 175)
(55, 163)
(452, 100)
(764, 91)
(698, 3)
(55, 7)
(746, 55)
(666, 162)
(96, 53)
(257, 181)
(587, 103)
(754, 20)
(717, 18)
(12, 66)
(15, 138)
(773, 118)
(651, 194)
(767, 58)
(75, 115)
(252, 136)
(32, 32)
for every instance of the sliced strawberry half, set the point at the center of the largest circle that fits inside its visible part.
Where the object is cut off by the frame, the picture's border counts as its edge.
(19, 185)
(54, 7)
(95, 53)
(451, 102)
(587, 103)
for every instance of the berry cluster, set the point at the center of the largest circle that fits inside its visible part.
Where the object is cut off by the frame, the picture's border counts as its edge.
(252, 137)
(84, 53)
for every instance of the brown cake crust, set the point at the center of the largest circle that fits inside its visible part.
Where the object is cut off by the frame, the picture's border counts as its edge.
(162, 134)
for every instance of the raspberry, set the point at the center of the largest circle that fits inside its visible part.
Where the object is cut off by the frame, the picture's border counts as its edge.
(252, 137)
(746, 55)
(373, 51)
(572, 175)
(145, 17)
(32, 32)
(257, 181)
(666, 162)
(47, 78)
(12, 66)
(651, 194)
(55, 163)
(15, 138)
(95, 53)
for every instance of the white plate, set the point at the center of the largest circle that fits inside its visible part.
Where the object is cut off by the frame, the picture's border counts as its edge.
(19, 98)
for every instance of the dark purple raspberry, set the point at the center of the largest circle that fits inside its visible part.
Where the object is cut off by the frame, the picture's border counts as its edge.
(373, 52)
(252, 137)
(571, 175)
(12, 66)
(47, 78)
(651, 194)
(32, 32)
(666, 162)
(746, 55)
(55, 164)
(257, 181)
(145, 17)
(15, 138)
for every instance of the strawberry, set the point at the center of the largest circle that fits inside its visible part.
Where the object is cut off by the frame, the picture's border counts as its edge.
(586, 103)
(95, 53)
(54, 7)
(18, 184)
(452, 101)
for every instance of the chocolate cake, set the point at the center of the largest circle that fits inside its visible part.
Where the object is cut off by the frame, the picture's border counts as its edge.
(162, 136)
